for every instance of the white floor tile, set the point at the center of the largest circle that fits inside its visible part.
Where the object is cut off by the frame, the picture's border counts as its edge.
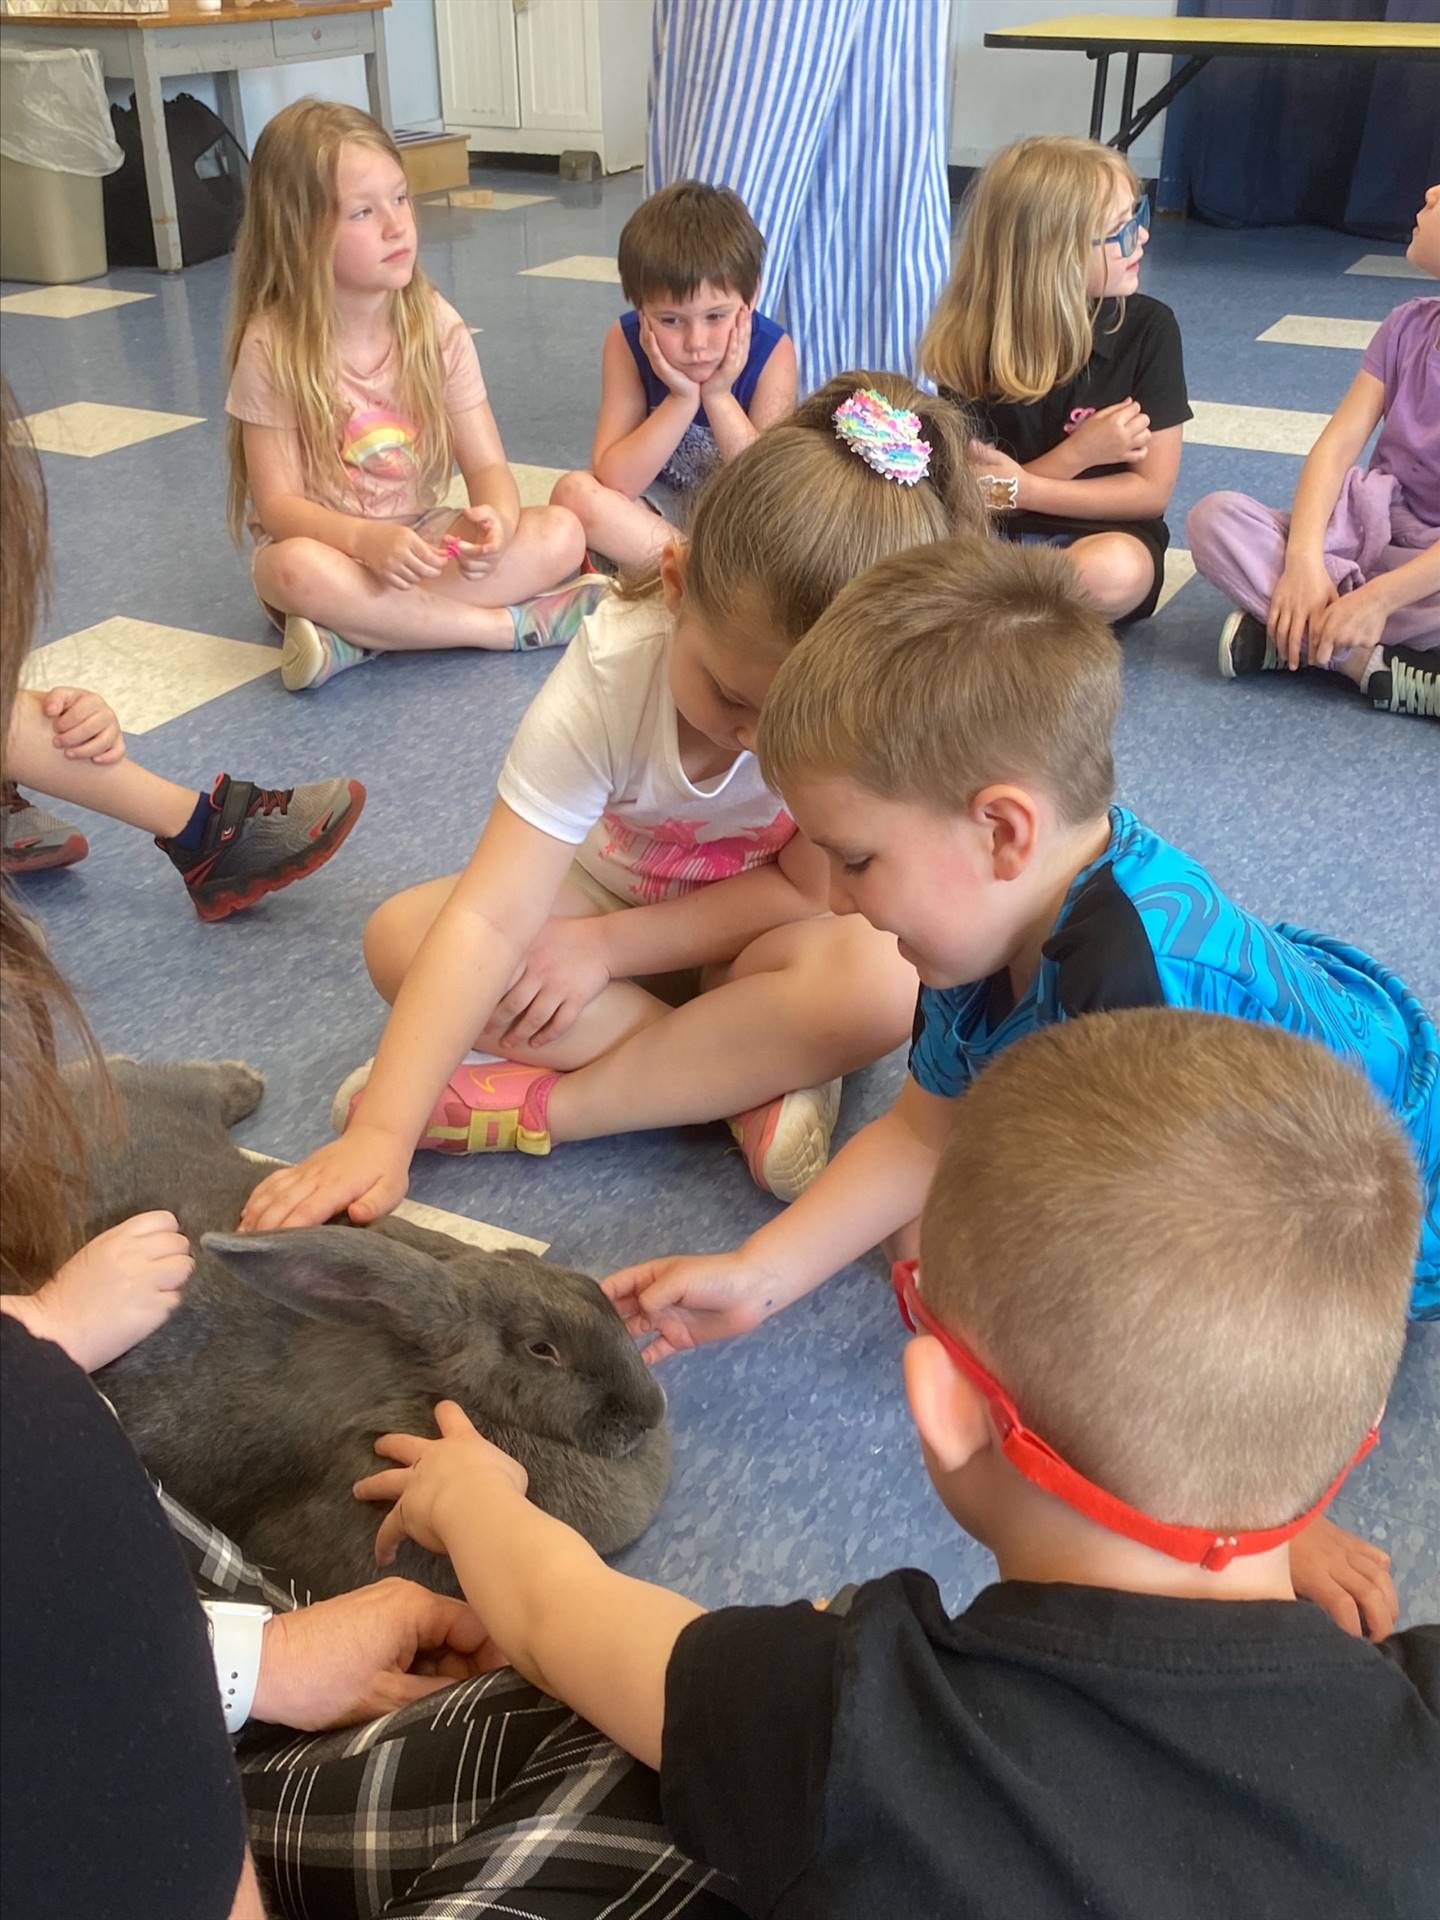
(1319, 330)
(1253, 429)
(578, 266)
(68, 303)
(487, 200)
(532, 483)
(475, 1233)
(88, 427)
(1179, 571)
(1389, 266)
(148, 673)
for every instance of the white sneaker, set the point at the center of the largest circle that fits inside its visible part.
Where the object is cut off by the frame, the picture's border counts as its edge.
(786, 1142)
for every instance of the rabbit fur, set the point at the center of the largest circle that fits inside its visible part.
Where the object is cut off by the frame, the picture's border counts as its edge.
(257, 1403)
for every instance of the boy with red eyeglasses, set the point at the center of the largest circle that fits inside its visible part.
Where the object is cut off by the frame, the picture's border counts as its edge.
(1144, 1364)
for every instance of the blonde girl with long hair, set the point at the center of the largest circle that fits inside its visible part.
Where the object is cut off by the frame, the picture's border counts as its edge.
(1075, 379)
(354, 392)
(633, 837)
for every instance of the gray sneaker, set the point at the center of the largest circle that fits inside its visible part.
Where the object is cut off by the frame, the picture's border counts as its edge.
(260, 839)
(33, 840)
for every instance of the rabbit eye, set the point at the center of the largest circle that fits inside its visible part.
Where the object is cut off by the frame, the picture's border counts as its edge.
(543, 1350)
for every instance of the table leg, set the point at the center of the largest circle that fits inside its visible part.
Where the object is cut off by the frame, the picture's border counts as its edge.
(155, 146)
(377, 76)
(232, 104)
(1097, 98)
(1127, 97)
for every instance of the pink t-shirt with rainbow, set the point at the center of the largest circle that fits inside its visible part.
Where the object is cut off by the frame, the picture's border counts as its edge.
(376, 439)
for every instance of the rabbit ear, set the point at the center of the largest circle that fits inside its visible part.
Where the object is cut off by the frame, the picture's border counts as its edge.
(345, 1273)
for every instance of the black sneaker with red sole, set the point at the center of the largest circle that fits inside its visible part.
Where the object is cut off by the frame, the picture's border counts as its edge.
(260, 839)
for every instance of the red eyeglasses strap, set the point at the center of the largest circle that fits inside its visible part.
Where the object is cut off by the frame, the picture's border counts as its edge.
(1044, 1468)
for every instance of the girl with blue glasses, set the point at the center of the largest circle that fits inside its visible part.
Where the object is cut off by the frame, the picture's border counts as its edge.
(1075, 379)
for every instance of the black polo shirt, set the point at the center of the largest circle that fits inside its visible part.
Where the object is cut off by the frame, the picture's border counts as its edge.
(1055, 1751)
(1141, 359)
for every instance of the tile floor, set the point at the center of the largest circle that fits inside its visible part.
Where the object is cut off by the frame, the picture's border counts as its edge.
(795, 1467)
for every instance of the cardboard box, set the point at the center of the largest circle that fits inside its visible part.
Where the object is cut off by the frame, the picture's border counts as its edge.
(434, 162)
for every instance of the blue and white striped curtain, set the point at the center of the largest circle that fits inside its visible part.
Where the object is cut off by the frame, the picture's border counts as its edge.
(830, 119)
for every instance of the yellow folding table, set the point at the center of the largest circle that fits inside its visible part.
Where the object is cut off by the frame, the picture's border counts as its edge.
(1099, 35)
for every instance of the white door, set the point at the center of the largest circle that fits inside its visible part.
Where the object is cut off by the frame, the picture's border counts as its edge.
(558, 42)
(478, 79)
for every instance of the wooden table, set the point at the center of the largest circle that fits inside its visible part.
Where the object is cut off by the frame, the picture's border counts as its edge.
(148, 48)
(1098, 35)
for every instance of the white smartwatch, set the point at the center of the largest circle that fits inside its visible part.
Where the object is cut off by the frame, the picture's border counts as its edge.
(237, 1628)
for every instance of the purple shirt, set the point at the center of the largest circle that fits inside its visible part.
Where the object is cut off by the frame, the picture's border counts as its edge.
(1405, 357)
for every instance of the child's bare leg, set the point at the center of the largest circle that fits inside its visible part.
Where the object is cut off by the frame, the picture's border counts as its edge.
(308, 577)
(801, 1005)
(125, 791)
(1115, 569)
(392, 937)
(624, 530)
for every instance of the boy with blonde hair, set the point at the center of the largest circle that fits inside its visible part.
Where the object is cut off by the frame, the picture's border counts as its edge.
(944, 733)
(1142, 1365)
(689, 375)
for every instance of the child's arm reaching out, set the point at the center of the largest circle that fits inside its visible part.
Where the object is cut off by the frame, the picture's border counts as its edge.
(875, 1186)
(589, 1636)
(465, 963)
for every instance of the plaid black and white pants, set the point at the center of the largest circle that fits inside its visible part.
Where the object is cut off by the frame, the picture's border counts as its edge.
(486, 1798)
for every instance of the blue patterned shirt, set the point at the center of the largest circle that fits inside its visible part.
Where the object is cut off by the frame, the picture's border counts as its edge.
(1144, 925)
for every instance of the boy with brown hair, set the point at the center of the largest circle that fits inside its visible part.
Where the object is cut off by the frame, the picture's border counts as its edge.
(944, 733)
(689, 375)
(1142, 1365)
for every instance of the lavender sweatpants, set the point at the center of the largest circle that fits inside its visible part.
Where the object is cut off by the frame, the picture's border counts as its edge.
(1239, 546)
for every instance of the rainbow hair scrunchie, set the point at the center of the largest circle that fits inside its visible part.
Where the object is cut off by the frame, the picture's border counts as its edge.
(886, 438)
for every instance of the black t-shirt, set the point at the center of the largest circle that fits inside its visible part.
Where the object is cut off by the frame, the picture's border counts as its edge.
(1056, 1750)
(118, 1789)
(1141, 360)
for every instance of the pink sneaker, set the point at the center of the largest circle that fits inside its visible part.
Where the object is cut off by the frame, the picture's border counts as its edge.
(484, 1107)
(786, 1142)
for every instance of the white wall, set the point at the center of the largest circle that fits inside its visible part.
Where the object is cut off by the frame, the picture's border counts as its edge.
(999, 94)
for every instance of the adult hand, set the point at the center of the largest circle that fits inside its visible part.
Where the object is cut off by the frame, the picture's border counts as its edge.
(1302, 593)
(561, 974)
(364, 1173)
(737, 352)
(1351, 623)
(85, 727)
(479, 537)
(396, 554)
(434, 1477)
(365, 1653)
(118, 1288)
(1112, 436)
(1346, 1576)
(690, 1300)
(679, 383)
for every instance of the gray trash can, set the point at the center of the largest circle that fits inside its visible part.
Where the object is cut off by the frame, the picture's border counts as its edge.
(56, 145)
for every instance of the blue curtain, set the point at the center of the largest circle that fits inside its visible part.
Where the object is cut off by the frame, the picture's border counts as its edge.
(1340, 143)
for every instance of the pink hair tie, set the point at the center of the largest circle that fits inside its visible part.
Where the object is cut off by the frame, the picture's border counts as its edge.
(886, 438)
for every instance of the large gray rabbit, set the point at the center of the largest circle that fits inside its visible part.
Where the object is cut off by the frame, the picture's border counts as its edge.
(258, 1401)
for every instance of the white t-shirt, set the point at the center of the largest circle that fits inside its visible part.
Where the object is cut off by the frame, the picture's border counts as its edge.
(596, 762)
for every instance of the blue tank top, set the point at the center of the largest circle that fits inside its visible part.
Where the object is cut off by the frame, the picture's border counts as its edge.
(697, 455)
